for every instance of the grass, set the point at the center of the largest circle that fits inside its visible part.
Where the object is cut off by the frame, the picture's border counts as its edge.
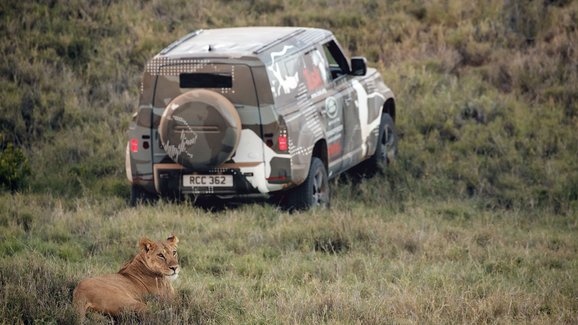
(474, 223)
(418, 262)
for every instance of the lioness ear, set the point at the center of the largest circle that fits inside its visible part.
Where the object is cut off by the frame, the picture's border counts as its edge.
(146, 244)
(173, 240)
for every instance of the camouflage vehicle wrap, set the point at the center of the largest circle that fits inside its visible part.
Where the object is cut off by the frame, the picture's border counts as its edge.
(245, 111)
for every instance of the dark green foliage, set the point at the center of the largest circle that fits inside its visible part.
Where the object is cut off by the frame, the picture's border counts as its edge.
(14, 168)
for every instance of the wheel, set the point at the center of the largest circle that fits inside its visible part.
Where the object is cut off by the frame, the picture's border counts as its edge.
(135, 195)
(314, 192)
(386, 149)
(139, 195)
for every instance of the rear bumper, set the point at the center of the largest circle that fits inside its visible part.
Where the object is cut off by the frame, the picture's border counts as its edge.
(168, 180)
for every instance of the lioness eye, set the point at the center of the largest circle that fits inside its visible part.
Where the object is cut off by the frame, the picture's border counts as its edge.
(161, 256)
(174, 253)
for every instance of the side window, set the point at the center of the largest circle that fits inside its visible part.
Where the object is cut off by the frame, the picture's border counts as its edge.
(315, 71)
(338, 65)
(283, 73)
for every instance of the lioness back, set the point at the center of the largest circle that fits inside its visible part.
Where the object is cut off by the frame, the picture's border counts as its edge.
(148, 273)
(108, 294)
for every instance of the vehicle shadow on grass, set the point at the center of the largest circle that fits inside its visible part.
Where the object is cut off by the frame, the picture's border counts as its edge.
(207, 204)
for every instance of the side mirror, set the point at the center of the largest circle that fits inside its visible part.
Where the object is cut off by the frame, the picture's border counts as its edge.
(358, 66)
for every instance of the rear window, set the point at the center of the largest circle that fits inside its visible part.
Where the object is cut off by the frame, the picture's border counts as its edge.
(234, 81)
(205, 80)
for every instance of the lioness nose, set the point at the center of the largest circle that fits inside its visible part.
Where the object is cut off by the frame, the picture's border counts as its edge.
(174, 268)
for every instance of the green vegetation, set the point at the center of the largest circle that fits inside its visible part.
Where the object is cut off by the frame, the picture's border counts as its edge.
(14, 168)
(474, 223)
(417, 262)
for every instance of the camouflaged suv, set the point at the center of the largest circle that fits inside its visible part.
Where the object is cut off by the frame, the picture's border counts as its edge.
(257, 111)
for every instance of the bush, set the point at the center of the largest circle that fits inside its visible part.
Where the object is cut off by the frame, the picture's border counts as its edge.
(14, 168)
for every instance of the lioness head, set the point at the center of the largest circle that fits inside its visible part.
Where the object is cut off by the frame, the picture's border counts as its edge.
(161, 257)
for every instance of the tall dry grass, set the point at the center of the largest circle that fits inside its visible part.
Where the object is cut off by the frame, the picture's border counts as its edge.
(421, 262)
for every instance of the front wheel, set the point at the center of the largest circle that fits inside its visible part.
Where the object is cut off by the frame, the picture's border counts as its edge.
(386, 149)
(314, 192)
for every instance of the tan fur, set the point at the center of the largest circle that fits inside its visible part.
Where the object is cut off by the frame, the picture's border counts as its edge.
(148, 273)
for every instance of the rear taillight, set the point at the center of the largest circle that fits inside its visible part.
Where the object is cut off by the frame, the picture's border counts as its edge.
(134, 145)
(282, 142)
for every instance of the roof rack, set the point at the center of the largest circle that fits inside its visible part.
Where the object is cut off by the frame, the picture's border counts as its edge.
(180, 41)
(278, 41)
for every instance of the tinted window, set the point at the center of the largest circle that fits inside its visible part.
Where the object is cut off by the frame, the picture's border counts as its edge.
(235, 82)
(315, 71)
(337, 61)
(205, 80)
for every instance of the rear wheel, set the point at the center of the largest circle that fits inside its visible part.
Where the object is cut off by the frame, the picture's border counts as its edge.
(314, 192)
(138, 195)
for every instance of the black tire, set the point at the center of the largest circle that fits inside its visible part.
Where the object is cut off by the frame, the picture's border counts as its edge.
(314, 192)
(386, 149)
(138, 195)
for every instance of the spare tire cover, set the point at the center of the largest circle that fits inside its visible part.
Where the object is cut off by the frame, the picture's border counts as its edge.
(200, 129)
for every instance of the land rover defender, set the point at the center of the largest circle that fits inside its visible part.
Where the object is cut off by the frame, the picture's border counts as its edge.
(257, 111)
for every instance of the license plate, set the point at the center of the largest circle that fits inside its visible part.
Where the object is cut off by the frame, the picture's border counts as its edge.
(208, 181)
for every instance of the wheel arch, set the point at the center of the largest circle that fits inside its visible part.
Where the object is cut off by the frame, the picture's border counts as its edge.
(320, 151)
(389, 107)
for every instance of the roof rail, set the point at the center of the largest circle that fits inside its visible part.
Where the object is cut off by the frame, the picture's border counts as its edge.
(278, 41)
(180, 41)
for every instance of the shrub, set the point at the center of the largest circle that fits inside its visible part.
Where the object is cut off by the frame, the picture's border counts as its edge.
(14, 168)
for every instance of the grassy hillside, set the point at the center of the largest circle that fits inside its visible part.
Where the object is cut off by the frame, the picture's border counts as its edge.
(487, 93)
(475, 222)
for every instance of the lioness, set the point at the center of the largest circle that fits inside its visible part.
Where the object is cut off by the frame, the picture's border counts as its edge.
(148, 273)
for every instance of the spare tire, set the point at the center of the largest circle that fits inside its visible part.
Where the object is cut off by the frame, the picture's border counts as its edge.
(200, 129)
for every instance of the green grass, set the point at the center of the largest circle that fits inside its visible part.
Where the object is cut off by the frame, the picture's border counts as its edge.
(474, 223)
(419, 262)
